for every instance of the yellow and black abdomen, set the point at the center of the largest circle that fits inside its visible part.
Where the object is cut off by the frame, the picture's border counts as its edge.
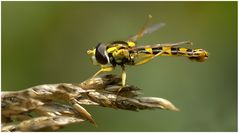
(171, 51)
(193, 54)
(199, 55)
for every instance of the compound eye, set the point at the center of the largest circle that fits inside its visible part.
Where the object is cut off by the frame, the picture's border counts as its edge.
(101, 54)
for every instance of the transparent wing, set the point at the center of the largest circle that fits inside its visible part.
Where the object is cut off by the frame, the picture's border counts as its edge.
(153, 28)
(163, 45)
(172, 44)
(146, 30)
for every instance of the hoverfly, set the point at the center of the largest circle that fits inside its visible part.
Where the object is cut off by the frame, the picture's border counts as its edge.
(109, 55)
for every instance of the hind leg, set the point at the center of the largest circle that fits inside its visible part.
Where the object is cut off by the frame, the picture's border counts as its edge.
(148, 59)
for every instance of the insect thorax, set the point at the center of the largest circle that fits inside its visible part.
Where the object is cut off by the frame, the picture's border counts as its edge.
(119, 54)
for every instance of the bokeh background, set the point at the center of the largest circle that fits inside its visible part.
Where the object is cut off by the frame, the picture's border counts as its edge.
(46, 42)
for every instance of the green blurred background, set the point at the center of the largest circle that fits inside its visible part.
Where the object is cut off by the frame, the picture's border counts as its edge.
(46, 42)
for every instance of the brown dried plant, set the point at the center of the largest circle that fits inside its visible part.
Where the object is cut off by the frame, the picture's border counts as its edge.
(49, 107)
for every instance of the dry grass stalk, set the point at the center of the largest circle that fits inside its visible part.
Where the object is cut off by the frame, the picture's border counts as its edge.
(52, 106)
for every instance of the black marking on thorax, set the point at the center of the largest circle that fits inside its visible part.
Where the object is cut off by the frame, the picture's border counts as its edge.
(114, 62)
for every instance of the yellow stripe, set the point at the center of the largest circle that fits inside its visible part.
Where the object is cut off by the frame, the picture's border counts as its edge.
(183, 50)
(149, 50)
(131, 44)
(109, 50)
(168, 50)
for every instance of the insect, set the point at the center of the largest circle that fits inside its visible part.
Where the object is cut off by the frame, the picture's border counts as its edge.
(109, 55)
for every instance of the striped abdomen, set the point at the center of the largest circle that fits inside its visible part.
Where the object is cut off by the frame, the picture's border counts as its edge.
(193, 54)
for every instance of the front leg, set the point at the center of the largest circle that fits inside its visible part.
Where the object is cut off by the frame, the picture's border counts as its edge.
(104, 69)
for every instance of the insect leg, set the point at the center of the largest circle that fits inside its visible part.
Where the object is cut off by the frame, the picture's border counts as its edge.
(104, 69)
(148, 59)
(123, 77)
